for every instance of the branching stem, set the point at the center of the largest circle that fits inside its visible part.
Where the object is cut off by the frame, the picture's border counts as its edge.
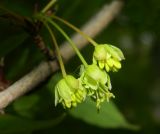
(76, 29)
(57, 50)
(69, 40)
(48, 6)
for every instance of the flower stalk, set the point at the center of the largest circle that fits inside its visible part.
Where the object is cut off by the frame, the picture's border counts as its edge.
(48, 6)
(57, 50)
(76, 29)
(94, 80)
(68, 39)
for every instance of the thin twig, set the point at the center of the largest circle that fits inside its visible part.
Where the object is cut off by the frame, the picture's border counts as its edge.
(41, 72)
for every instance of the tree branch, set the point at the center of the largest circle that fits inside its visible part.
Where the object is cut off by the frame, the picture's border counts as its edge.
(93, 27)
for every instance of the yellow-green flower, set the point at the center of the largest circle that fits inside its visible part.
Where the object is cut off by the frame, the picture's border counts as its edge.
(97, 84)
(69, 92)
(108, 57)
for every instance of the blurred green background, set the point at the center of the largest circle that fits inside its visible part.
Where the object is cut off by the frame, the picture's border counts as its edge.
(136, 30)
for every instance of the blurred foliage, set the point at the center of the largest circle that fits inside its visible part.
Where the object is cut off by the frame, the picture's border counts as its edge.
(107, 117)
(136, 31)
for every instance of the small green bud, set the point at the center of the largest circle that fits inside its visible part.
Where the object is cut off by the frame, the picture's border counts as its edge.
(69, 92)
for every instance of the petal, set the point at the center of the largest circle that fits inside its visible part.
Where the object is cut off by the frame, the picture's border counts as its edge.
(109, 83)
(82, 69)
(112, 51)
(108, 56)
(119, 52)
(74, 104)
(107, 67)
(117, 64)
(73, 97)
(67, 104)
(101, 64)
(103, 78)
(82, 93)
(94, 61)
(78, 98)
(64, 90)
(94, 72)
(56, 96)
(99, 52)
(72, 82)
(91, 82)
(110, 62)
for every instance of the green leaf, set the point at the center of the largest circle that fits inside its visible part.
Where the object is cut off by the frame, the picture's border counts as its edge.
(26, 105)
(11, 124)
(108, 116)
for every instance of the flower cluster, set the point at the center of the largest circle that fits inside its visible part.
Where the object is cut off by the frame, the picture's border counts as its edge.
(94, 80)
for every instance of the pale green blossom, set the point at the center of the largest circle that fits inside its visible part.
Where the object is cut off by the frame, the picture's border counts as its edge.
(69, 92)
(97, 84)
(108, 57)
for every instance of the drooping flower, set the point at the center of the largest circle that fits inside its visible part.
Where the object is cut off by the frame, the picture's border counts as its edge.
(97, 84)
(108, 57)
(69, 92)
